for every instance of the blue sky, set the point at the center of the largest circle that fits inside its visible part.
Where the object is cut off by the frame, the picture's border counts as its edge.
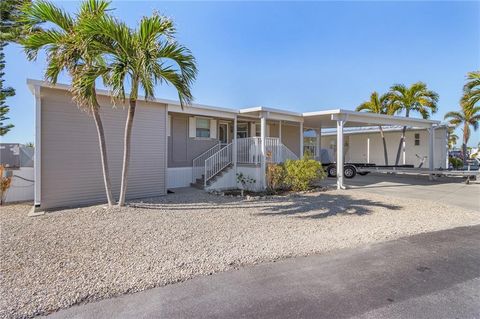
(301, 56)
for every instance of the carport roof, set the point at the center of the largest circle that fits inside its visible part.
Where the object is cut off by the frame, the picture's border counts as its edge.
(328, 119)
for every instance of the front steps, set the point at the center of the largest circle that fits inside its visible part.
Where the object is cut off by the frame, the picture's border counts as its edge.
(200, 182)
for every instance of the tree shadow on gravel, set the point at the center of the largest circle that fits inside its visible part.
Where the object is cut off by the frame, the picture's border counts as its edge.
(326, 205)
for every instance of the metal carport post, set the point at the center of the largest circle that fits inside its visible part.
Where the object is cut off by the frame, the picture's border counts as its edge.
(340, 122)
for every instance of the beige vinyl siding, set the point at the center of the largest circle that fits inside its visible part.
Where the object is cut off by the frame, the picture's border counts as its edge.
(71, 171)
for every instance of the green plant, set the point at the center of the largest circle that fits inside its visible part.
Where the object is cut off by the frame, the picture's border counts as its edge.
(5, 183)
(244, 180)
(468, 116)
(300, 174)
(275, 176)
(455, 162)
(140, 59)
(379, 105)
(416, 98)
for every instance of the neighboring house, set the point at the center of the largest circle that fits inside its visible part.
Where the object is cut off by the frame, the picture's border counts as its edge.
(365, 146)
(171, 147)
(18, 161)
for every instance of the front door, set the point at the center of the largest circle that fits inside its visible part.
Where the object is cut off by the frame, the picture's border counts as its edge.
(223, 133)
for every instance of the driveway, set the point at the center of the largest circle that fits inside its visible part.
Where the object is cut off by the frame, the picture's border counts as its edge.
(446, 190)
(432, 275)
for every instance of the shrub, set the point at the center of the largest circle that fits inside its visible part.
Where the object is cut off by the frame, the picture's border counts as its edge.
(275, 176)
(5, 183)
(300, 174)
(455, 162)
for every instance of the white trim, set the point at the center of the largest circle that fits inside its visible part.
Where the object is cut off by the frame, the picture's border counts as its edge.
(38, 147)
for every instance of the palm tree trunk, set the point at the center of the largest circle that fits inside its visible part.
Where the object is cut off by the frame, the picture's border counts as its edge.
(465, 141)
(103, 155)
(400, 146)
(126, 150)
(385, 152)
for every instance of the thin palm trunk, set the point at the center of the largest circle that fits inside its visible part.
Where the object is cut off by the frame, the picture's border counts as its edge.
(103, 155)
(385, 152)
(126, 150)
(400, 146)
(465, 141)
(402, 140)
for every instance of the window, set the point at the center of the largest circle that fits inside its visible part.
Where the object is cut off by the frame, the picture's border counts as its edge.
(242, 130)
(258, 130)
(203, 128)
(417, 139)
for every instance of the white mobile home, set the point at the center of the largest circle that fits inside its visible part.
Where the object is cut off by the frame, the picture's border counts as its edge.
(175, 147)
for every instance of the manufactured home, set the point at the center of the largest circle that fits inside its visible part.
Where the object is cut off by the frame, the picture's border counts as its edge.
(196, 145)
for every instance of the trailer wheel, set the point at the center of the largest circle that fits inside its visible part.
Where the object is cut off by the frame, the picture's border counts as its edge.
(349, 171)
(332, 171)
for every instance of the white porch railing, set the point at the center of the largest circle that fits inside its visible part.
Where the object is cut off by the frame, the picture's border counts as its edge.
(217, 162)
(198, 164)
(249, 150)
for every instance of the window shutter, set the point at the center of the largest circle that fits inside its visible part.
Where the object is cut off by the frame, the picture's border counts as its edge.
(192, 127)
(252, 130)
(213, 128)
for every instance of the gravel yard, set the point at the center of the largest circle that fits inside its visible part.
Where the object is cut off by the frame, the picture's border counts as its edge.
(77, 255)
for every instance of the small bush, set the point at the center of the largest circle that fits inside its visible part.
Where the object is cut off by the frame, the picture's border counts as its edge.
(455, 162)
(275, 177)
(300, 174)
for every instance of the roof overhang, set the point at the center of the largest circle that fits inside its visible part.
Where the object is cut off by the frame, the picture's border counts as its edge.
(328, 119)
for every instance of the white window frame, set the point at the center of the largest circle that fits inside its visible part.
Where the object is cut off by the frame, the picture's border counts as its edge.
(209, 128)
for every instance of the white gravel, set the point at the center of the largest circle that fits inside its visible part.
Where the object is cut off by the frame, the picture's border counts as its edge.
(85, 254)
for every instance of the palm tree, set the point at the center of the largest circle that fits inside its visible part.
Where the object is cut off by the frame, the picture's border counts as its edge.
(452, 137)
(416, 98)
(70, 49)
(471, 89)
(378, 105)
(142, 58)
(469, 115)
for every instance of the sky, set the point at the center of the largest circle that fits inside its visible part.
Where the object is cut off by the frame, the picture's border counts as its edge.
(298, 56)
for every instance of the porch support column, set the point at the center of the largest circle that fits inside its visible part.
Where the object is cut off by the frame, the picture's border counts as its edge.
(263, 135)
(318, 145)
(368, 149)
(431, 150)
(280, 131)
(234, 151)
(301, 140)
(340, 154)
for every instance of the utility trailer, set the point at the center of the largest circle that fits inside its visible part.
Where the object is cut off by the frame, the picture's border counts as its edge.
(350, 170)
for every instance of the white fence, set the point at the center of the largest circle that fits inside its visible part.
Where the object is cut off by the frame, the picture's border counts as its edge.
(22, 187)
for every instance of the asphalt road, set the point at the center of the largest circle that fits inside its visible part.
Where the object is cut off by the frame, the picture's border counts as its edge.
(433, 275)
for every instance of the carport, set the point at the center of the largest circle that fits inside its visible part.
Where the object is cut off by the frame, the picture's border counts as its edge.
(344, 118)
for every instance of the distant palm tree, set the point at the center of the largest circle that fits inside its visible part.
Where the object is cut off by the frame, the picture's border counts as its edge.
(452, 137)
(378, 105)
(471, 89)
(416, 98)
(140, 59)
(469, 115)
(68, 48)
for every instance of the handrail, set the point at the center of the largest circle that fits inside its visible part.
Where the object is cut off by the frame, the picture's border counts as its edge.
(217, 162)
(198, 163)
(249, 150)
